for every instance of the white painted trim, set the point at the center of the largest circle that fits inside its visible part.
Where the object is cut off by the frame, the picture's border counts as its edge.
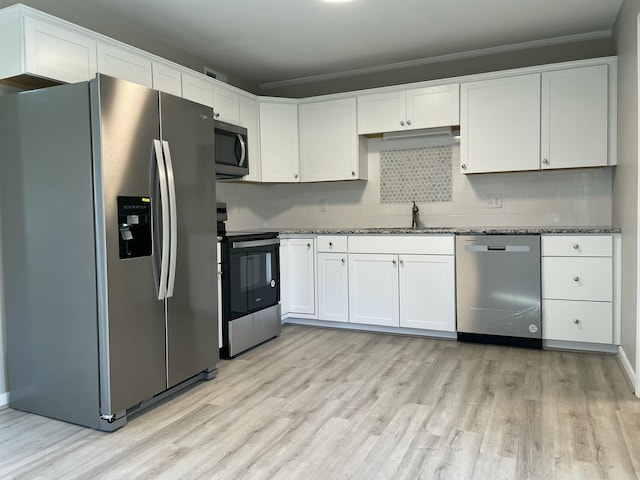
(4, 399)
(623, 360)
(437, 334)
(635, 376)
(440, 59)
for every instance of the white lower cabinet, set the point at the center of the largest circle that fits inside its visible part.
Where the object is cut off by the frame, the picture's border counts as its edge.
(578, 289)
(410, 283)
(333, 287)
(301, 276)
(373, 289)
(427, 296)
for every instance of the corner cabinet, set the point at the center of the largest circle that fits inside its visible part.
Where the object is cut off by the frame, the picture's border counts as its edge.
(560, 118)
(279, 157)
(329, 145)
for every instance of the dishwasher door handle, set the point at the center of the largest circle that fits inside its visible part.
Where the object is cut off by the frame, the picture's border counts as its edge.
(497, 248)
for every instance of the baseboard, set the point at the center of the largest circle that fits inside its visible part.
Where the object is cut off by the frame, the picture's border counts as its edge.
(623, 360)
(4, 399)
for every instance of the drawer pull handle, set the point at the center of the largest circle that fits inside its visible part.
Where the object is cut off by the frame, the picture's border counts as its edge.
(576, 279)
(576, 321)
(576, 246)
(331, 244)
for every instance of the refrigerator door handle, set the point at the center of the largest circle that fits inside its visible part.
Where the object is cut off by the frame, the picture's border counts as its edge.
(173, 218)
(164, 256)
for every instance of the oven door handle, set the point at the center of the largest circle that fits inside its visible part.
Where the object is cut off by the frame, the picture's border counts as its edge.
(256, 243)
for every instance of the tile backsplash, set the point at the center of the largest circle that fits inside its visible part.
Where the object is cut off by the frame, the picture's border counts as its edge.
(578, 197)
(421, 175)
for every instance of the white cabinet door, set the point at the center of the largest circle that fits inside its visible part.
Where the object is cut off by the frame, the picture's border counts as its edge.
(328, 141)
(433, 106)
(427, 292)
(197, 89)
(384, 112)
(500, 124)
(333, 287)
(373, 289)
(279, 156)
(572, 321)
(575, 278)
(62, 54)
(226, 104)
(119, 62)
(166, 79)
(248, 107)
(300, 253)
(575, 117)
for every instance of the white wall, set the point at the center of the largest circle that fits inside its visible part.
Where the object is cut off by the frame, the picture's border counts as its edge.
(625, 199)
(568, 197)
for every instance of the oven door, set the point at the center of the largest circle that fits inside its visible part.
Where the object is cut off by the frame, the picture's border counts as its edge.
(252, 276)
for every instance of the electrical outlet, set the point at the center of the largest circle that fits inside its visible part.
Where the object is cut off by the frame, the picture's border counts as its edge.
(322, 204)
(494, 200)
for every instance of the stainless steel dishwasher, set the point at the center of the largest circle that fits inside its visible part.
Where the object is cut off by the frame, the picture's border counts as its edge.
(498, 289)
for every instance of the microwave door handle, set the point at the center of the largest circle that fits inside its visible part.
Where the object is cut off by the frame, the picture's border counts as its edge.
(173, 229)
(164, 255)
(243, 150)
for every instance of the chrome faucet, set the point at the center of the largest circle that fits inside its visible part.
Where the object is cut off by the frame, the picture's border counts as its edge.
(414, 216)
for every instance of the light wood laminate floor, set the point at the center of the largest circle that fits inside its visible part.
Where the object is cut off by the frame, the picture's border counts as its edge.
(327, 404)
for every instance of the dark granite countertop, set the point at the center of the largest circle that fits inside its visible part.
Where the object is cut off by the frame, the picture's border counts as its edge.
(450, 230)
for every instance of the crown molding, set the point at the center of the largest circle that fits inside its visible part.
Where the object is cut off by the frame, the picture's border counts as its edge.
(440, 59)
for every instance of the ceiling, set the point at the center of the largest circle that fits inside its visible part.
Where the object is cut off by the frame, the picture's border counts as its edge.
(268, 42)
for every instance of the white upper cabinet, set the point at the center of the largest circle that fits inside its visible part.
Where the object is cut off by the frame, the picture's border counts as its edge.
(248, 107)
(279, 156)
(197, 88)
(329, 146)
(226, 104)
(409, 109)
(123, 63)
(575, 117)
(500, 124)
(557, 118)
(166, 78)
(50, 49)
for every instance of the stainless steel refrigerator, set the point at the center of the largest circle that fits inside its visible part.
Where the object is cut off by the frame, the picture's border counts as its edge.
(107, 204)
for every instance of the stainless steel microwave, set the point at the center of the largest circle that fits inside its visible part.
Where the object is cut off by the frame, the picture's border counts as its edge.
(232, 153)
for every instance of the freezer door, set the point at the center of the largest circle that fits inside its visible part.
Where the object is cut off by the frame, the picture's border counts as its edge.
(192, 331)
(131, 318)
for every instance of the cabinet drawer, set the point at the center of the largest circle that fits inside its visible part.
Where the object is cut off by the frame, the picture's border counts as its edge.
(569, 321)
(332, 243)
(577, 278)
(577, 246)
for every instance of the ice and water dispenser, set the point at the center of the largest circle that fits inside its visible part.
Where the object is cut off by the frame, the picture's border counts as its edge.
(134, 224)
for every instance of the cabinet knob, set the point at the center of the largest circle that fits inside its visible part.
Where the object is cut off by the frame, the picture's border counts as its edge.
(394, 262)
(576, 279)
(402, 123)
(331, 244)
(576, 246)
(545, 161)
(295, 176)
(576, 321)
(216, 114)
(401, 262)
(343, 261)
(408, 122)
(353, 174)
(308, 245)
(464, 166)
